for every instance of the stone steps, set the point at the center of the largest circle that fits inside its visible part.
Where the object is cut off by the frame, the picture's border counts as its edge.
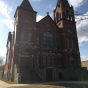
(29, 75)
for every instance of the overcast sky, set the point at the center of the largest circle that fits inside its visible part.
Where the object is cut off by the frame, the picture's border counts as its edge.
(8, 8)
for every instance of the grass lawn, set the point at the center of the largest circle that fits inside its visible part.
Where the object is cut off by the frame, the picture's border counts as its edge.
(67, 85)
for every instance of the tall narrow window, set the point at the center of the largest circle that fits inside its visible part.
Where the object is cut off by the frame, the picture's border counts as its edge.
(68, 42)
(22, 34)
(58, 44)
(44, 59)
(67, 14)
(48, 43)
(48, 60)
(30, 36)
(37, 40)
(72, 43)
(69, 29)
(53, 60)
(37, 59)
(59, 60)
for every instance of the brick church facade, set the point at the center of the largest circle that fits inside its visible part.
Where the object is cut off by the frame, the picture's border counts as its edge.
(45, 50)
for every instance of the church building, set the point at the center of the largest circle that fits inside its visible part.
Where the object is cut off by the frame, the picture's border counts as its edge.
(46, 50)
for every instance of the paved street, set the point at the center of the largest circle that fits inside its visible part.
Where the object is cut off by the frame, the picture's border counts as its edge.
(6, 85)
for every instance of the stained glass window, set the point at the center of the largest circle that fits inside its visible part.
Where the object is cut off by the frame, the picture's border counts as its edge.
(53, 60)
(44, 59)
(37, 59)
(37, 40)
(68, 42)
(22, 34)
(48, 60)
(48, 40)
(72, 43)
(30, 36)
(59, 60)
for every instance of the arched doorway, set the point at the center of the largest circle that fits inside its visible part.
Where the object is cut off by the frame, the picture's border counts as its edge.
(73, 61)
(25, 59)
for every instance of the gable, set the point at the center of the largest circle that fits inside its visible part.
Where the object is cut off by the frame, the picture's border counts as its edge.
(43, 22)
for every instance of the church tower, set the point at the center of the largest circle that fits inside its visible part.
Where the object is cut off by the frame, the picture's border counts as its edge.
(25, 18)
(24, 24)
(63, 16)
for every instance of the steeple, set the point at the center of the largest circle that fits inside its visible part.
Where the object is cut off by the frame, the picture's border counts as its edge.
(26, 5)
(64, 2)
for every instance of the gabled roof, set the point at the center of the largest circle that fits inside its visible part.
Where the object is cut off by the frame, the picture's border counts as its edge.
(50, 19)
(64, 2)
(26, 5)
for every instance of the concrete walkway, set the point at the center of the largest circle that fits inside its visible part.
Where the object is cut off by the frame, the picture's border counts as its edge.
(6, 85)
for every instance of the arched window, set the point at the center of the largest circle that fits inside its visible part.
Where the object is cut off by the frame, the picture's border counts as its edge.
(44, 59)
(59, 60)
(69, 29)
(72, 43)
(30, 36)
(37, 59)
(67, 14)
(58, 44)
(68, 42)
(22, 34)
(53, 60)
(25, 54)
(48, 40)
(48, 60)
(37, 40)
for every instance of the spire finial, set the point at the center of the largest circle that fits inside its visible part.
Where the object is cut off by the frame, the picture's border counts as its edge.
(47, 13)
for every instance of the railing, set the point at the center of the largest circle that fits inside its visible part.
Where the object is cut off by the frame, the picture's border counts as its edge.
(39, 73)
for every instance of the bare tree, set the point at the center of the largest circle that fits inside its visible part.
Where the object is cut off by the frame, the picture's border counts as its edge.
(1, 60)
(81, 17)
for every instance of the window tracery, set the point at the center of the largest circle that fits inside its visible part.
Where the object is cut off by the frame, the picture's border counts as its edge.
(48, 40)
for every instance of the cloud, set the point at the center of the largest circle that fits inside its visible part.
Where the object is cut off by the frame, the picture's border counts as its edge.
(9, 23)
(76, 3)
(50, 7)
(3, 52)
(84, 58)
(82, 28)
(5, 10)
(39, 17)
(36, 0)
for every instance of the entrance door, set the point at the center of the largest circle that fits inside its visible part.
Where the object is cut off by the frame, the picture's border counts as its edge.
(24, 62)
(60, 75)
(48, 75)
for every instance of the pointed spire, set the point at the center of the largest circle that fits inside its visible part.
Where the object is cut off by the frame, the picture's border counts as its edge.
(26, 5)
(64, 2)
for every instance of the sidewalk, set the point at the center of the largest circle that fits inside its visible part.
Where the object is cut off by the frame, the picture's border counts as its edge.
(6, 85)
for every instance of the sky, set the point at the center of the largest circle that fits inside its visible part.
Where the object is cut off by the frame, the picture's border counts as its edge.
(8, 8)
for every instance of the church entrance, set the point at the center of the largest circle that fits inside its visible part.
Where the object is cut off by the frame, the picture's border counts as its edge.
(25, 67)
(24, 62)
(49, 74)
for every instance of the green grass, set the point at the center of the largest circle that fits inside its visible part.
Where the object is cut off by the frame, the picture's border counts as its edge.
(7, 81)
(65, 85)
